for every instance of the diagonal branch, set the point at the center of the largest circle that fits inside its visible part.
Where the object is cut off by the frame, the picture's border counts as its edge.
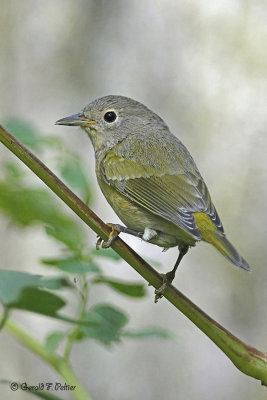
(246, 358)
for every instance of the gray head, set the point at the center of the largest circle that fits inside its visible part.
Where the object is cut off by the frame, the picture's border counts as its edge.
(110, 119)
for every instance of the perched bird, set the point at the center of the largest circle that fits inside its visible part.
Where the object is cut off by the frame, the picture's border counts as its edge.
(150, 179)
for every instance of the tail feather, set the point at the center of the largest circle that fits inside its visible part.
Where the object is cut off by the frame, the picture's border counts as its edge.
(211, 234)
(227, 250)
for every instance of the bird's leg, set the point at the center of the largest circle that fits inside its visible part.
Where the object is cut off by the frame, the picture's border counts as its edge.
(116, 229)
(169, 277)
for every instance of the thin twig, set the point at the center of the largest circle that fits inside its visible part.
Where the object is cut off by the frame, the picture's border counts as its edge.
(4, 317)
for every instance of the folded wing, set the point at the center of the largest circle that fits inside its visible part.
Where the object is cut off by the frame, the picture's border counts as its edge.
(172, 196)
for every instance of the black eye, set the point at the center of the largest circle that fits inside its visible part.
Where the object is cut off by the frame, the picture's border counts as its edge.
(110, 116)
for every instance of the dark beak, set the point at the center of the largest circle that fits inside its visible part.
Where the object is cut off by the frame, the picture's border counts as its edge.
(76, 120)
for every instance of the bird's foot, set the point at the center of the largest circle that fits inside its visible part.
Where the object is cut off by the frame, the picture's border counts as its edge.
(167, 280)
(116, 229)
(114, 233)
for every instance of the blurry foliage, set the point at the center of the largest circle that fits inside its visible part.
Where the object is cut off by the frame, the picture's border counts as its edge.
(26, 204)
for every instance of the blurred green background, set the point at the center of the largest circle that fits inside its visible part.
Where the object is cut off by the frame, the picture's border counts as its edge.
(202, 66)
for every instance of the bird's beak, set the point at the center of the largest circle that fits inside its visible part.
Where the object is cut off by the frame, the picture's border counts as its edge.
(76, 120)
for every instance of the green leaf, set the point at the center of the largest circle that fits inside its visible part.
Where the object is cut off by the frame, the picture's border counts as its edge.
(108, 253)
(12, 283)
(24, 132)
(38, 301)
(110, 322)
(23, 291)
(66, 232)
(73, 265)
(55, 283)
(157, 333)
(74, 175)
(27, 206)
(52, 341)
(129, 289)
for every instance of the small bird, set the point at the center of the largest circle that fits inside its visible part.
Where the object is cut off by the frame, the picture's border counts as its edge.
(150, 180)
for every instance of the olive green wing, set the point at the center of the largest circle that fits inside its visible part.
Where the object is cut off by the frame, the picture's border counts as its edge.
(174, 197)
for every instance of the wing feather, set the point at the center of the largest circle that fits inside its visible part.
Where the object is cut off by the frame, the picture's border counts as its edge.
(173, 196)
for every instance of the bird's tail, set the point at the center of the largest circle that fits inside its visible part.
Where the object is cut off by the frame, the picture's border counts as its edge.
(227, 250)
(211, 234)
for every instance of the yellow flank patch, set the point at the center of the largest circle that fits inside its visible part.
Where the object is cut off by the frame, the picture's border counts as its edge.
(206, 227)
(204, 222)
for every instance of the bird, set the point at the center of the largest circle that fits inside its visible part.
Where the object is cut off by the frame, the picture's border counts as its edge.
(150, 180)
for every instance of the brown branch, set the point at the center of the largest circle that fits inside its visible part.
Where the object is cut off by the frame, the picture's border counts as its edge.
(246, 358)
